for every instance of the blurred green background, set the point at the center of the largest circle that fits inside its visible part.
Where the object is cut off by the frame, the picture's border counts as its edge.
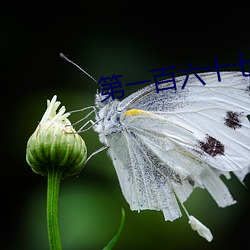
(105, 38)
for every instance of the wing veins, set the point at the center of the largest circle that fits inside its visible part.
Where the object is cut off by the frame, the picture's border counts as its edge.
(144, 184)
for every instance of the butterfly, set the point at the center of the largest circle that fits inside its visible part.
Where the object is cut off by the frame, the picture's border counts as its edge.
(164, 145)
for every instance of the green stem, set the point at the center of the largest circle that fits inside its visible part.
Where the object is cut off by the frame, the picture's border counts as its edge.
(54, 177)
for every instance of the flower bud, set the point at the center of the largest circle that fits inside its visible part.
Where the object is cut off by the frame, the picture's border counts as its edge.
(55, 144)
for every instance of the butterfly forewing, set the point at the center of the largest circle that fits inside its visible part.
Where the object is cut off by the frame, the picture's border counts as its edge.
(214, 114)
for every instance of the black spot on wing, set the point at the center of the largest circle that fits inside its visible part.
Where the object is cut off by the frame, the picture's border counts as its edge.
(233, 119)
(212, 146)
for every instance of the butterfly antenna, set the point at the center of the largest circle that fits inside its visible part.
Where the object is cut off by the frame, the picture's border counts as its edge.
(68, 60)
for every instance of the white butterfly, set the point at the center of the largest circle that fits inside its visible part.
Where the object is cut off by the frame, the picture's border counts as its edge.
(165, 144)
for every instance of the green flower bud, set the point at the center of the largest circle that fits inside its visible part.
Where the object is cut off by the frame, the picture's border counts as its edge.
(55, 144)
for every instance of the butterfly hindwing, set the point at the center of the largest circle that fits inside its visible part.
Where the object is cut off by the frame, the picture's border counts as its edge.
(142, 184)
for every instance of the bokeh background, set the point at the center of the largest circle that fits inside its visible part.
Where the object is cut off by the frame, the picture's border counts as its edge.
(119, 37)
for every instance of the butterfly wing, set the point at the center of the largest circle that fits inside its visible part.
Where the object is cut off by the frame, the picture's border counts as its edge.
(174, 141)
(216, 114)
(141, 184)
(153, 168)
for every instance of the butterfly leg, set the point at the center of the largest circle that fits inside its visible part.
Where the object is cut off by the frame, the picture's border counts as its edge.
(86, 116)
(83, 127)
(96, 152)
(91, 155)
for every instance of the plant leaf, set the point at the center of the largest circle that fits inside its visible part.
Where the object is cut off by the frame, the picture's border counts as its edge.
(117, 234)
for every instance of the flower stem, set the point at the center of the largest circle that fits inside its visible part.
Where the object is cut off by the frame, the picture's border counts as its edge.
(54, 177)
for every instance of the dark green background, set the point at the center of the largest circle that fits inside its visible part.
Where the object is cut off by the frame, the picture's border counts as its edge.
(106, 38)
